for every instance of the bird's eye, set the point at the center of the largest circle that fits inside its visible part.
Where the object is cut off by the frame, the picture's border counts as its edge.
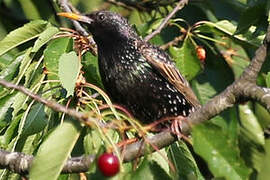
(101, 16)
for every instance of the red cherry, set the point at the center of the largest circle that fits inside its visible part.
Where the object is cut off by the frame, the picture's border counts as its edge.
(201, 53)
(108, 164)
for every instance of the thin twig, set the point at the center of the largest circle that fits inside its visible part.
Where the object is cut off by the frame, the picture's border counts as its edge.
(83, 117)
(179, 6)
(117, 3)
(64, 4)
(173, 42)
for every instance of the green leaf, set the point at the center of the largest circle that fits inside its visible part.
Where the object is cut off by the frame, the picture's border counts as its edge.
(69, 68)
(220, 153)
(262, 115)
(54, 151)
(10, 71)
(159, 158)
(11, 130)
(250, 124)
(21, 35)
(90, 67)
(52, 54)
(268, 80)
(92, 142)
(250, 17)
(143, 171)
(186, 59)
(30, 10)
(5, 110)
(225, 27)
(186, 167)
(265, 166)
(26, 62)
(44, 37)
(35, 120)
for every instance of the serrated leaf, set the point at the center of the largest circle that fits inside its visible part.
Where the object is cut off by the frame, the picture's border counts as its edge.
(21, 35)
(54, 151)
(186, 167)
(221, 154)
(44, 37)
(35, 120)
(52, 54)
(186, 59)
(69, 68)
(250, 124)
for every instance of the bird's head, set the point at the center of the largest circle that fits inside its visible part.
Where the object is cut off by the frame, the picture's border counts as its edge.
(104, 25)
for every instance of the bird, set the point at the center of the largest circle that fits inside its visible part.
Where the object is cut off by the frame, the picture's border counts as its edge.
(136, 74)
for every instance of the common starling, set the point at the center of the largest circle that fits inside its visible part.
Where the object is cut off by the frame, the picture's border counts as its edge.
(137, 75)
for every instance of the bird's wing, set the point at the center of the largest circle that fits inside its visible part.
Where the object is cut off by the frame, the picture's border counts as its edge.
(162, 62)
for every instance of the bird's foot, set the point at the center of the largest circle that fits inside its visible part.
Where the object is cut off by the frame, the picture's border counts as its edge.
(176, 128)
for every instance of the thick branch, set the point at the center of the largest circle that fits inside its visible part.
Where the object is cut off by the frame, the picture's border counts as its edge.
(21, 163)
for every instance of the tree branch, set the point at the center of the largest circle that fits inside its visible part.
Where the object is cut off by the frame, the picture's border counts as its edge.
(21, 163)
(165, 21)
(82, 117)
(64, 4)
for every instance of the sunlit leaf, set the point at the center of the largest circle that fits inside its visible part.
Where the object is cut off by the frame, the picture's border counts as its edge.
(44, 37)
(221, 155)
(250, 124)
(268, 79)
(54, 152)
(21, 35)
(186, 59)
(149, 170)
(185, 164)
(52, 54)
(265, 166)
(10, 71)
(69, 68)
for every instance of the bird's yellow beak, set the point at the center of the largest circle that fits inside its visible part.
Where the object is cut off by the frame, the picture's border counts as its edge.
(76, 17)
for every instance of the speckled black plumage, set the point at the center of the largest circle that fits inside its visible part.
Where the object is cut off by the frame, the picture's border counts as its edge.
(136, 74)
